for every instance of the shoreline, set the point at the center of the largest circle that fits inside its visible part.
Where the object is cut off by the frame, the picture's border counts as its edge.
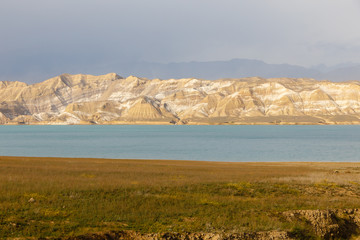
(177, 161)
(259, 120)
(188, 124)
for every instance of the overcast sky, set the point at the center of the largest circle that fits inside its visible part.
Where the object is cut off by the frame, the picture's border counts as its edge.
(56, 36)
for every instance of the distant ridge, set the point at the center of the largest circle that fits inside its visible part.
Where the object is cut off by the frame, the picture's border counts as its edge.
(236, 68)
(112, 99)
(212, 70)
(239, 68)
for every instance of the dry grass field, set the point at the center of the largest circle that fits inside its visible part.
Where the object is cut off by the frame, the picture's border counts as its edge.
(57, 197)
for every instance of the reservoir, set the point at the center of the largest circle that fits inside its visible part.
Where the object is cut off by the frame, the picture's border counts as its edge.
(245, 143)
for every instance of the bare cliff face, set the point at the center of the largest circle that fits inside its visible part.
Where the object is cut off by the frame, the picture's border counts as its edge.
(111, 99)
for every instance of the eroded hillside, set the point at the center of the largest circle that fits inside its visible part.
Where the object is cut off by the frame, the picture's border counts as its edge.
(111, 99)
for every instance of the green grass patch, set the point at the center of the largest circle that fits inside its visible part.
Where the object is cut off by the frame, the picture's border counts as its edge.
(73, 197)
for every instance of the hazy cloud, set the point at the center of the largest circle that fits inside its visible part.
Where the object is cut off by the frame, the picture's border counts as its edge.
(42, 37)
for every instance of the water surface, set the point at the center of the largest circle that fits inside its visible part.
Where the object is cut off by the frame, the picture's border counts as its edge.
(211, 143)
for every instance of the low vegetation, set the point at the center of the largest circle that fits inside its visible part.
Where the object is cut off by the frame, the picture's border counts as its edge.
(52, 197)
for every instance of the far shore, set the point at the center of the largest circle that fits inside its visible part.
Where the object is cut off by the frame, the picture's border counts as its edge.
(188, 124)
(259, 120)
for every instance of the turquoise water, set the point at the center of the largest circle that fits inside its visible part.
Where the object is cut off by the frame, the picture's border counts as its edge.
(212, 143)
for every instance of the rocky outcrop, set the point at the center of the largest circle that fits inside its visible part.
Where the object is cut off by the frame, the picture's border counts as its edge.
(3, 118)
(111, 99)
(329, 224)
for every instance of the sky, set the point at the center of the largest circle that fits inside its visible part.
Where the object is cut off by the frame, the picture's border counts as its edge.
(40, 38)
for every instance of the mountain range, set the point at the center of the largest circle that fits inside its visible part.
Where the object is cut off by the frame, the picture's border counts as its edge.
(239, 68)
(112, 99)
(212, 70)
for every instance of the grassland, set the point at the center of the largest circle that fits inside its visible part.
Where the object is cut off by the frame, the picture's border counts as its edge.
(77, 196)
